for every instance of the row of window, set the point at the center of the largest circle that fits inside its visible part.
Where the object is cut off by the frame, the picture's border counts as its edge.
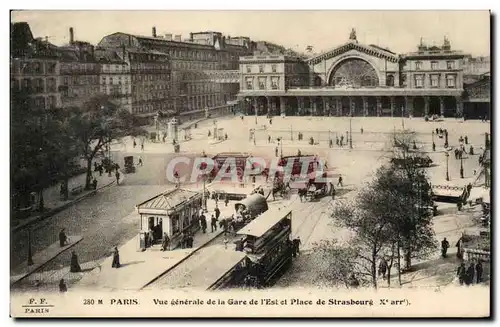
(153, 77)
(151, 96)
(201, 55)
(43, 102)
(274, 69)
(80, 92)
(435, 65)
(200, 102)
(147, 57)
(117, 79)
(143, 66)
(34, 67)
(148, 108)
(79, 67)
(203, 88)
(148, 87)
(80, 80)
(36, 85)
(193, 65)
(262, 83)
(434, 80)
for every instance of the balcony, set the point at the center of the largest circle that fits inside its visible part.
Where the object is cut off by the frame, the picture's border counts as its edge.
(223, 76)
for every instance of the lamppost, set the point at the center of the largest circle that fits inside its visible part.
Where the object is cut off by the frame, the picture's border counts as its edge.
(350, 129)
(433, 144)
(30, 253)
(447, 172)
(461, 166)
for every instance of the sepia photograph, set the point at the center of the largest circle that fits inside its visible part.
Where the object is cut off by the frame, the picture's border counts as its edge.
(273, 163)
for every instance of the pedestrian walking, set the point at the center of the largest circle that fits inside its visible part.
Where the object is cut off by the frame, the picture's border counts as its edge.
(479, 271)
(217, 212)
(444, 247)
(134, 144)
(382, 268)
(100, 169)
(63, 239)
(459, 248)
(362, 130)
(470, 274)
(142, 146)
(461, 273)
(213, 223)
(165, 243)
(466, 139)
(340, 181)
(296, 244)
(94, 183)
(225, 242)
(337, 141)
(116, 259)
(276, 151)
(203, 221)
(226, 201)
(269, 139)
(62, 286)
(117, 175)
(74, 265)
(140, 161)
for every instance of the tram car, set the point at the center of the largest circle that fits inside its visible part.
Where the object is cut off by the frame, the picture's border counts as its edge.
(266, 241)
(241, 159)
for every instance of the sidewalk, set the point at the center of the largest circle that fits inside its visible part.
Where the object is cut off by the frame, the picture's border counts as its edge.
(138, 269)
(41, 258)
(54, 203)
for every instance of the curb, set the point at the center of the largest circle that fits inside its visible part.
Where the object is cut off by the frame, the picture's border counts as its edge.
(56, 210)
(181, 261)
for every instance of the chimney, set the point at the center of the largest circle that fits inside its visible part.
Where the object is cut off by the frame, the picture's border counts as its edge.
(71, 36)
(168, 37)
(154, 31)
(178, 38)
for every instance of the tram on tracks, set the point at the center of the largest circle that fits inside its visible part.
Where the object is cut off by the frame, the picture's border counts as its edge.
(266, 241)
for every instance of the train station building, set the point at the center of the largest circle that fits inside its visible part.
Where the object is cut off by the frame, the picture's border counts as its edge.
(356, 79)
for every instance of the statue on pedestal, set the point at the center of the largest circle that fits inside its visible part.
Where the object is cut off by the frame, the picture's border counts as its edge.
(352, 36)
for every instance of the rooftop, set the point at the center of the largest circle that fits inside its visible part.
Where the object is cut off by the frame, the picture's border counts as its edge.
(168, 200)
(260, 225)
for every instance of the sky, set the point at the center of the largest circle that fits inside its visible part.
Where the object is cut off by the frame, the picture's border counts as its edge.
(400, 31)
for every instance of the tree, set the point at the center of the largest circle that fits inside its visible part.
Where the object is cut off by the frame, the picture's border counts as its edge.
(414, 224)
(96, 124)
(31, 148)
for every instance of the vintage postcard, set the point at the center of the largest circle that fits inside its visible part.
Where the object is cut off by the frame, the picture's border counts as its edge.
(250, 164)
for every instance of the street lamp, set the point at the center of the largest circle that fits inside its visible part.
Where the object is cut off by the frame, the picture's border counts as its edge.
(447, 172)
(433, 144)
(30, 253)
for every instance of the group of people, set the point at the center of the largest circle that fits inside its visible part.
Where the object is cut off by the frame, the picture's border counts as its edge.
(466, 274)
(187, 240)
(142, 143)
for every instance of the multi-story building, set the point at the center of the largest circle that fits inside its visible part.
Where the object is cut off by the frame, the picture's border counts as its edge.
(34, 68)
(272, 73)
(358, 79)
(115, 78)
(79, 72)
(192, 61)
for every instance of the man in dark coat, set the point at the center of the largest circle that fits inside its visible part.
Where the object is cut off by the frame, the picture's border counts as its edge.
(63, 239)
(340, 181)
(116, 259)
(296, 244)
(217, 213)
(213, 223)
(62, 286)
(165, 242)
(479, 269)
(461, 273)
(469, 279)
(203, 221)
(74, 266)
(444, 247)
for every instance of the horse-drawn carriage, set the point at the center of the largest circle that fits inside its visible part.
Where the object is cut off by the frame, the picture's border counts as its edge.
(317, 185)
(247, 210)
(129, 164)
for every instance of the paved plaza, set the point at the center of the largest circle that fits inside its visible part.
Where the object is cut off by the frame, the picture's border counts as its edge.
(107, 219)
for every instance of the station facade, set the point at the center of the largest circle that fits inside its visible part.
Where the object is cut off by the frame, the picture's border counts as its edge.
(355, 79)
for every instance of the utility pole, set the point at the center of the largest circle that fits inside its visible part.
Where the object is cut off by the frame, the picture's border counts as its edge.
(447, 172)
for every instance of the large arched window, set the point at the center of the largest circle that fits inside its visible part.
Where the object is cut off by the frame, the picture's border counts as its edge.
(354, 72)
